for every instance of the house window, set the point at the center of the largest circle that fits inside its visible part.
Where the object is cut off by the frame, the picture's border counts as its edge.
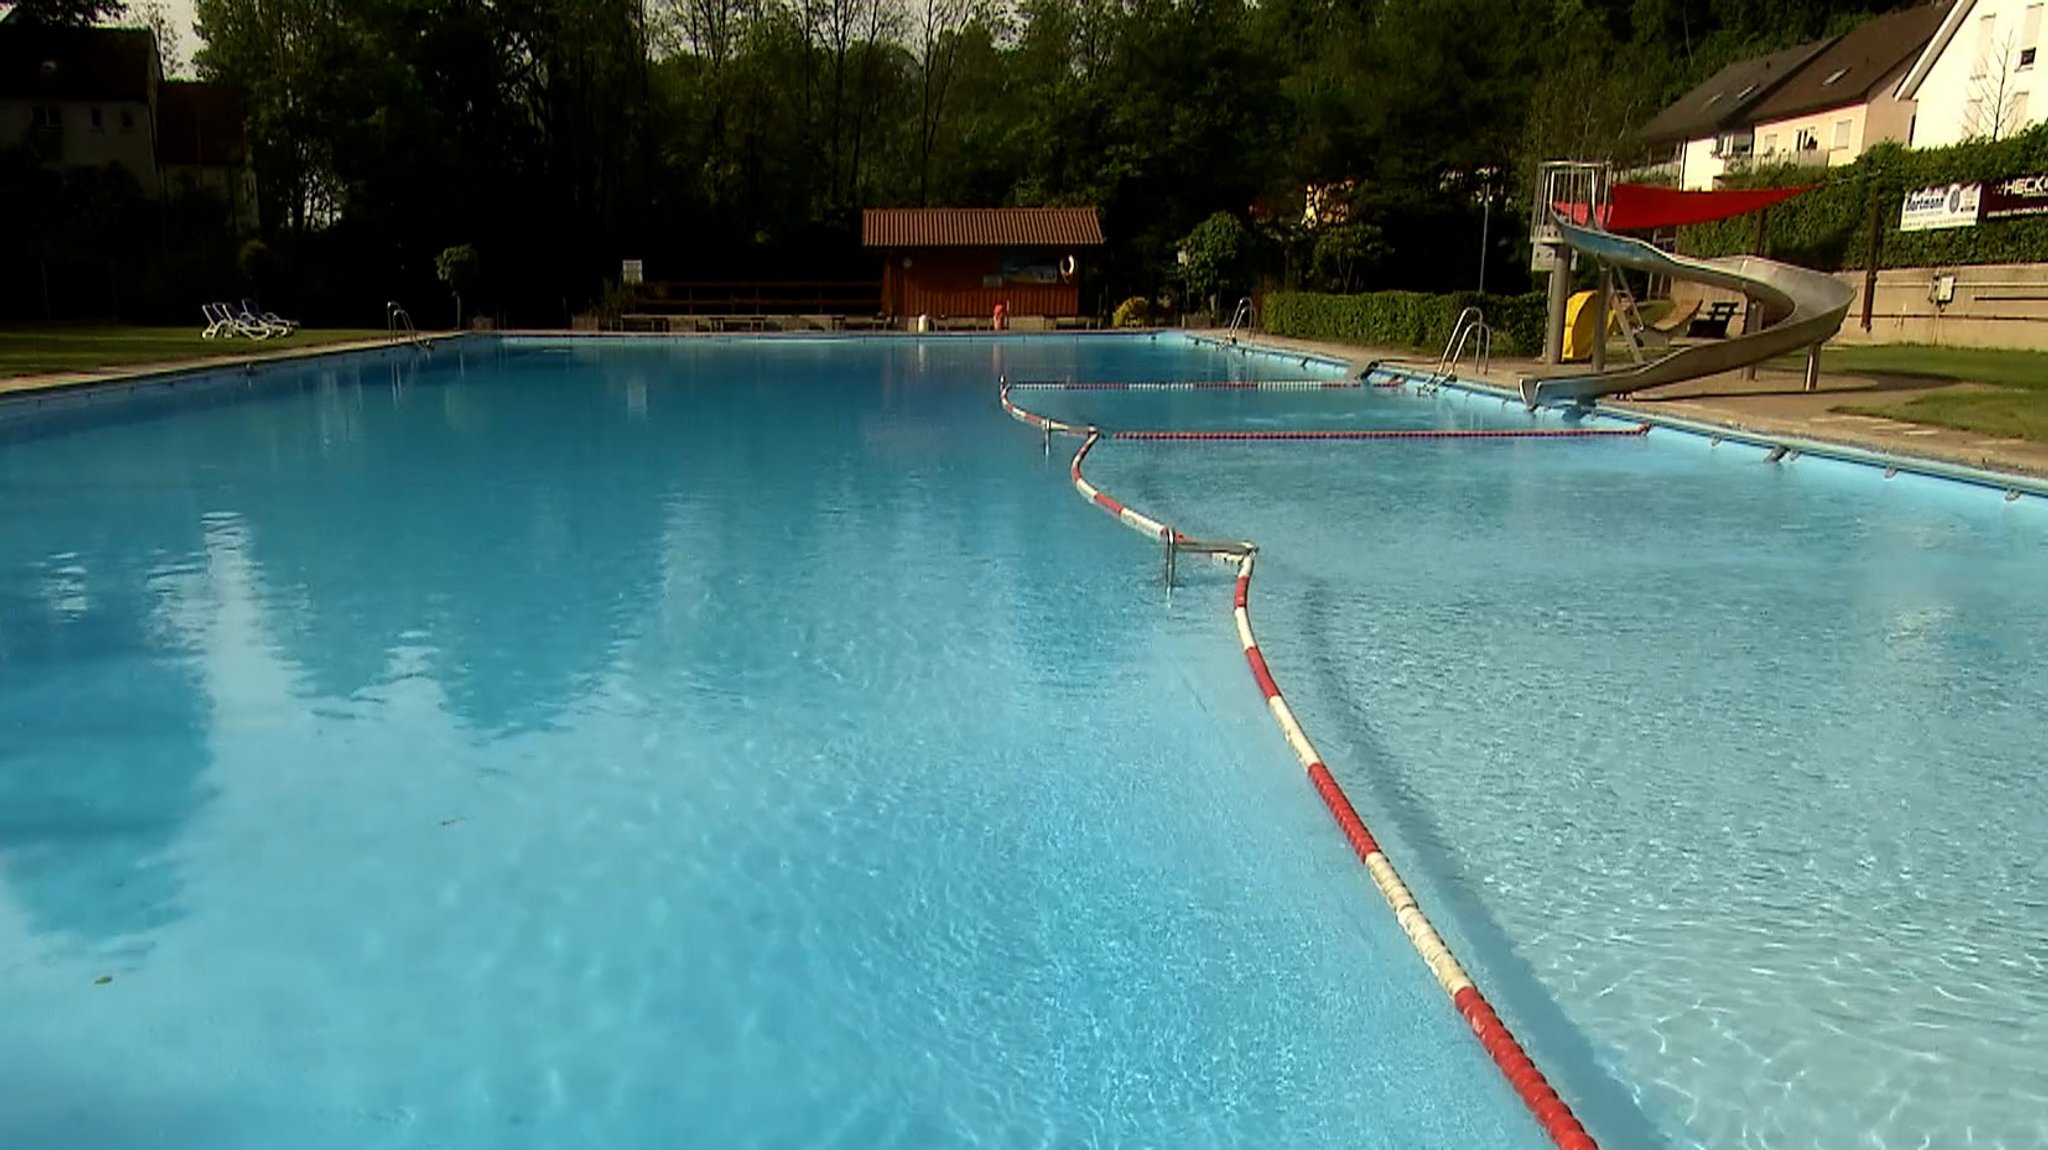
(2030, 36)
(1986, 27)
(1744, 94)
(99, 120)
(1770, 143)
(47, 119)
(127, 119)
(2019, 110)
(1833, 76)
(1807, 141)
(1842, 130)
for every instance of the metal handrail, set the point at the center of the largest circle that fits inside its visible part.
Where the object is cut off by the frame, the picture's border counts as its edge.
(1242, 317)
(1470, 330)
(398, 322)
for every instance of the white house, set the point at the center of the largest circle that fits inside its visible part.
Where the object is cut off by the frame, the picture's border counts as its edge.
(1844, 100)
(82, 97)
(1977, 78)
(1708, 130)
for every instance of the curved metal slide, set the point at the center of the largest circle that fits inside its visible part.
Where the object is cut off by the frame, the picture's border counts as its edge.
(1800, 309)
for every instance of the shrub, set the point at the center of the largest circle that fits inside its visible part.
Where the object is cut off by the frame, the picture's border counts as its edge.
(1133, 312)
(1406, 319)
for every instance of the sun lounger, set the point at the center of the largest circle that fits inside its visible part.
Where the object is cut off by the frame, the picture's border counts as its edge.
(270, 319)
(223, 322)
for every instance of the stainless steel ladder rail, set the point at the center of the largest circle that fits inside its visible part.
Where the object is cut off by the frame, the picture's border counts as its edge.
(1470, 331)
(398, 322)
(1241, 319)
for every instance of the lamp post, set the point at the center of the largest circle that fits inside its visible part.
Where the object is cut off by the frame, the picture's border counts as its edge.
(1486, 176)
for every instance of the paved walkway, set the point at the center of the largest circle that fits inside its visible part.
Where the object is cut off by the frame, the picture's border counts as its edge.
(1774, 403)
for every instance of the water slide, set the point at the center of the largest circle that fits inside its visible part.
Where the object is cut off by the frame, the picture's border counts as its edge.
(1800, 308)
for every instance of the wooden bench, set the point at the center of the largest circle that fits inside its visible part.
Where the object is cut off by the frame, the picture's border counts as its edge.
(1713, 322)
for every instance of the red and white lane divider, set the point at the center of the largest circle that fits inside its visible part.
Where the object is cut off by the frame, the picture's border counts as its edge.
(1188, 385)
(1551, 1112)
(1388, 433)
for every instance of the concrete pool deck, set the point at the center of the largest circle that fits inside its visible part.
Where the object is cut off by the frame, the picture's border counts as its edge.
(1774, 404)
(56, 381)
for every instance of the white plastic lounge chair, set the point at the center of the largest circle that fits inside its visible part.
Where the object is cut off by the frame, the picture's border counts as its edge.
(235, 324)
(270, 319)
(251, 322)
(218, 323)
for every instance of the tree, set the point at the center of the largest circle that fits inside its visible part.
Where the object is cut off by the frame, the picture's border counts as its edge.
(170, 42)
(457, 267)
(1996, 106)
(937, 37)
(1216, 254)
(64, 13)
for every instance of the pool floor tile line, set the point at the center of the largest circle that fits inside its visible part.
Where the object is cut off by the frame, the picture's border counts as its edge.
(1550, 1110)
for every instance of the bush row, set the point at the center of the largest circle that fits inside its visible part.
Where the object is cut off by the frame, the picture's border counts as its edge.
(1405, 318)
(1829, 227)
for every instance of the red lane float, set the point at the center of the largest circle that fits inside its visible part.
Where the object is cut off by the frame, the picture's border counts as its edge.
(1528, 1082)
(1419, 433)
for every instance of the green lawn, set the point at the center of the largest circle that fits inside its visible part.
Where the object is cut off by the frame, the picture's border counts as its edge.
(2013, 403)
(40, 350)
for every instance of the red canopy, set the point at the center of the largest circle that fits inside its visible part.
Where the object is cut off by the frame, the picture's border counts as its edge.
(1644, 207)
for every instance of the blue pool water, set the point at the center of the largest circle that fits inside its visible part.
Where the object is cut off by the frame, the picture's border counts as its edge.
(758, 744)
(717, 745)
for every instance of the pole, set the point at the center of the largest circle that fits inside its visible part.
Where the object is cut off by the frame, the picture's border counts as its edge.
(1560, 295)
(1750, 314)
(1875, 258)
(1600, 318)
(1485, 226)
(1813, 368)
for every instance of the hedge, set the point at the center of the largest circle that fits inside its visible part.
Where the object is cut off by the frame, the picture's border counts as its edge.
(1405, 318)
(1829, 227)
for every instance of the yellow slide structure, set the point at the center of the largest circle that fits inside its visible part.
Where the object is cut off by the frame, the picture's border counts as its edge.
(1578, 326)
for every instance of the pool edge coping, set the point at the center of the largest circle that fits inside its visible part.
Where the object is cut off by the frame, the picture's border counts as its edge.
(170, 372)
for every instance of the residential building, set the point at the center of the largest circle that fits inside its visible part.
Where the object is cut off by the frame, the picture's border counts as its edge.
(82, 97)
(1710, 128)
(92, 97)
(1976, 77)
(202, 146)
(1845, 99)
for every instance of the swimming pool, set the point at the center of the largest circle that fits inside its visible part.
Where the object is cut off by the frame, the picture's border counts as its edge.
(754, 743)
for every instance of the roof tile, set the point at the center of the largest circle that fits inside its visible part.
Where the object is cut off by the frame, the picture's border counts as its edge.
(979, 227)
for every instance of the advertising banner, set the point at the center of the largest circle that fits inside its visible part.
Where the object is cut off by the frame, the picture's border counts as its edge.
(1950, 206)
(2018, 196)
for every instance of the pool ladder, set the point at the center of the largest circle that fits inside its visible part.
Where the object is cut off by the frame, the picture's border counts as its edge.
(398, 323)
(1470, 332)
(1240, 320)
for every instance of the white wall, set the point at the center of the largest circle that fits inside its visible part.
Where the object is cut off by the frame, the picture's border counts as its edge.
(79, 143)
(1982, 82)
(1700, 167)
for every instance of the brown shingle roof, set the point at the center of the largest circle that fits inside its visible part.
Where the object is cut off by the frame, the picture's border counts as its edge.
(979, 227)
(1853, 67)
(1722, 101)
(40, 62)
(198, 124)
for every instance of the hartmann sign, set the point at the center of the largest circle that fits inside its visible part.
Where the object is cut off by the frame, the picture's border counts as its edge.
(2018, 196)
(1948, 206)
